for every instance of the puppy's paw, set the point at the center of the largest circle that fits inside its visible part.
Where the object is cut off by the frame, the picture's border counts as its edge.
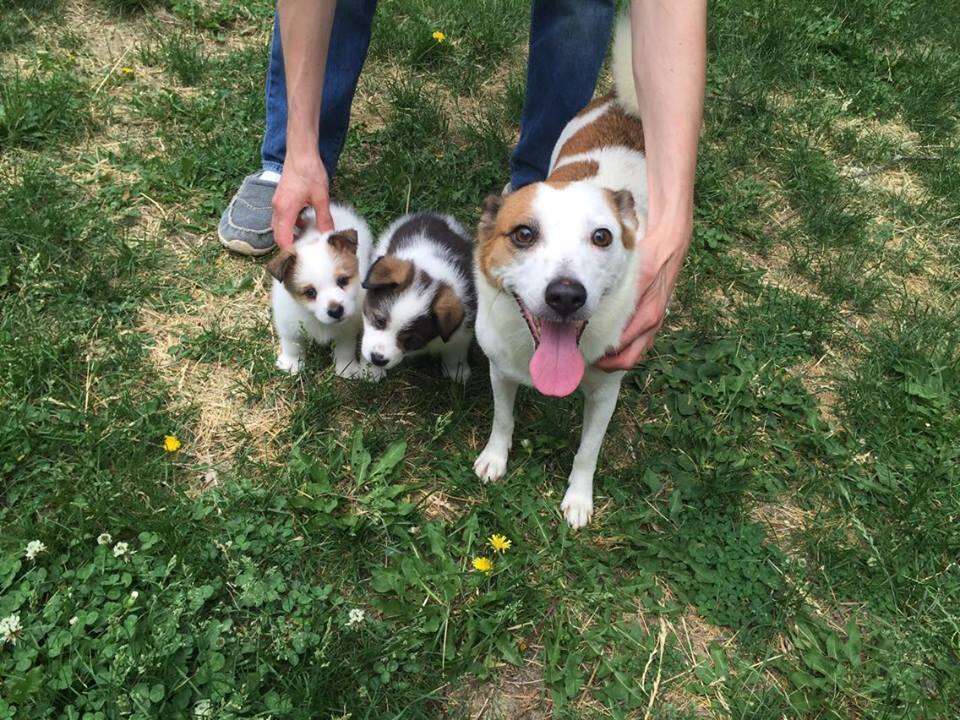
(577, 507)
(372, 373)
(460, 375)
(289, 363)
(349, 370)
(491, 464)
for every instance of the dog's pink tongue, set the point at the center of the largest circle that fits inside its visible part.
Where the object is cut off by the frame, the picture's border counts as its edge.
(557, 365)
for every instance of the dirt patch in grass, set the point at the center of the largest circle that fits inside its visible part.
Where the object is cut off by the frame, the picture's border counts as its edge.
(516, 693)
(227, 420)
(819, 379)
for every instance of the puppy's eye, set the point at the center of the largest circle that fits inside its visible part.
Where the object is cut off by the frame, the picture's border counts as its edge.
(310, 294)
(343, 281)
(523, 236)
(601, 237)
(379, 322)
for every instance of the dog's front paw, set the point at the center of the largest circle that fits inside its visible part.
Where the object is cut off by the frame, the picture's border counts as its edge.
(289, 363)
(491, 464)
(349, 370)
(461, 373)
(372, 373)
(577, 507)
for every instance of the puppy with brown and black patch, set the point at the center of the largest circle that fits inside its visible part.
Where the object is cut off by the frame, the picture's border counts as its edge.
(317, 292)
(556, 272)
(420, 294)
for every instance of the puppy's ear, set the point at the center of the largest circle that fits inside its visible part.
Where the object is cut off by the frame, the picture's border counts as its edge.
(488, 216)
(344, 241)
(448, 310)
(388, 273)
(282, 265)
(623, 202)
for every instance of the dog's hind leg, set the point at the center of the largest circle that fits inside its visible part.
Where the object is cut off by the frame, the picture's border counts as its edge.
(600, 401)
(491, 464)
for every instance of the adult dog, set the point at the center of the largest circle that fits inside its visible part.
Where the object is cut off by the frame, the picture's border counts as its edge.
(556, 276)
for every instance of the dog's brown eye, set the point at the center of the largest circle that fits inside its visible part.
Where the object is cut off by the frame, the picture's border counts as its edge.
(523, 236)
(343, 281)
(310, 294)
(602, 237)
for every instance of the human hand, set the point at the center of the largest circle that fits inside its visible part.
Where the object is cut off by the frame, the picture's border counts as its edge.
(303, 183)
(664, 249)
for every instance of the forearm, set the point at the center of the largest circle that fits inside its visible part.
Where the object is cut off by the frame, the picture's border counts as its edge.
(305, 27)
(669, 67)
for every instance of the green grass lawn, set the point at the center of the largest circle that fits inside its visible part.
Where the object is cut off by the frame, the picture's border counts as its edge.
(777, 531)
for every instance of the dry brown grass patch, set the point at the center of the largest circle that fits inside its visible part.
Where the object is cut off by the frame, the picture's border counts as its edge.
(516, 693)
(227, 420)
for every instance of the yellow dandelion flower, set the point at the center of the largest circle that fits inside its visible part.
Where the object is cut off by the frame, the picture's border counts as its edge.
(483, 564)
(171, 443)
(499, 543)
(439, 36)
(127, 70)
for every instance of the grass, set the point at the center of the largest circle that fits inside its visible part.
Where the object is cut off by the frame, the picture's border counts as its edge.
(776, 526)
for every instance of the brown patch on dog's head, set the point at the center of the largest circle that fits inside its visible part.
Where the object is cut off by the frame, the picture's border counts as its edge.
(344, 245)
(622, 203)
(448, 310)
(282, 265)
(579, 170)
(389, 273)
(344, 241)
(501, 215)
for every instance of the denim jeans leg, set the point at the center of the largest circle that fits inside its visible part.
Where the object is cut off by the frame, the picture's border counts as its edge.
(568, 43)
(349, 42)
(273, 150)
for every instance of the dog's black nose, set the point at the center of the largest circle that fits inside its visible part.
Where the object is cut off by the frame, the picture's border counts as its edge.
(378, 359)
(335, 311)
(565, 295)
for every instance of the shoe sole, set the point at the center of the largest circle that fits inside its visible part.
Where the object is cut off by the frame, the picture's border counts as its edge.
(242, 247)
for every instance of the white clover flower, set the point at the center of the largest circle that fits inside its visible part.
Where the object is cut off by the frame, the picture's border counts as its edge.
(357, 616)
(34, 548)
(10, 628)
(74, 620)
(203, 709)
(134, 595)
(121, 549)
(104, 539)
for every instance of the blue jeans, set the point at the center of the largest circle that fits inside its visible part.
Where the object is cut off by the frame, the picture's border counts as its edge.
(568, 42)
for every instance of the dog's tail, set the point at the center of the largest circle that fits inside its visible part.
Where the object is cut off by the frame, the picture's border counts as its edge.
(621, 63)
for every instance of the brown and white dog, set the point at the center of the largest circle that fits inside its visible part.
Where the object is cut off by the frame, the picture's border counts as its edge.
(317, 292)
(556, 274)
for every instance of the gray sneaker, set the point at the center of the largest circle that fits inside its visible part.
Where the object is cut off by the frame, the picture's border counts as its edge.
(245, 225)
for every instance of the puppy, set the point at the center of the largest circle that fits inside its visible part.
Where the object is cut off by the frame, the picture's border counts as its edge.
(420, 294)
(317, 292)
(556, 273)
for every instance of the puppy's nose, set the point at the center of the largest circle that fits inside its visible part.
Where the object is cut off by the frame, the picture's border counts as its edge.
(565, 295)
(378, 359)
(335, 310)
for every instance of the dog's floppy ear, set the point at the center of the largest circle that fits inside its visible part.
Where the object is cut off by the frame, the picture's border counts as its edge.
(281, 265)
(344, 241)
(488, 216)
(448, 310)
(388, 272)
(623, 202)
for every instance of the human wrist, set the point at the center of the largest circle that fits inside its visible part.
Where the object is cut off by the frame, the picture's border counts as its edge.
(674, 223)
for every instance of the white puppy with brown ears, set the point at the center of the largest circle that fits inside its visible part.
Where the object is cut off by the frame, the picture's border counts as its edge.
(317, 292)
(556, 273)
